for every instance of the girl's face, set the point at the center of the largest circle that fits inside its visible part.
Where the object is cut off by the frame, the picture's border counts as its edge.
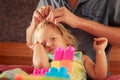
(51, 38)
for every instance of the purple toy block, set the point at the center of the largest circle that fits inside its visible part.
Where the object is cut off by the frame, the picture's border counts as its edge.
(69, 53)
(58, 55)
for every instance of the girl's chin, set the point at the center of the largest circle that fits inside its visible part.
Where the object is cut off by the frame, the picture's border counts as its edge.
(52, 52)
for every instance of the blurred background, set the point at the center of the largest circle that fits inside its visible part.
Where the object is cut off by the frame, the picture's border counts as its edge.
(15, 17)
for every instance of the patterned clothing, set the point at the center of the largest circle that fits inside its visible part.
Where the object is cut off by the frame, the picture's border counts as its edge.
(78, 70)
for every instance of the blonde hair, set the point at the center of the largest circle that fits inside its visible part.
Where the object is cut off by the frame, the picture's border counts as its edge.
(68, 37)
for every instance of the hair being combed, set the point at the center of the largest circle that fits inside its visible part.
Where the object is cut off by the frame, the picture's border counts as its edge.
(69, 38)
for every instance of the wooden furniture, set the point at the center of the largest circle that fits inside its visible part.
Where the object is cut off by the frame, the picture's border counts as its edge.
(115, 60)
(13, 53)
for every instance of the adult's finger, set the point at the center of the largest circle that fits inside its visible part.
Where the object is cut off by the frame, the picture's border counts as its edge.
(58, 20)
(47, 10)
(41, 12)
(54, 14)
(38, 15)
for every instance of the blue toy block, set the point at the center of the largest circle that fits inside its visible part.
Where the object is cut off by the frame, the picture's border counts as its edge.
(58, 73)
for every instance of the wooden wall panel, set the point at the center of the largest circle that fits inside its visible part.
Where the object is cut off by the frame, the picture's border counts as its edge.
(15, 53)
(115, 60)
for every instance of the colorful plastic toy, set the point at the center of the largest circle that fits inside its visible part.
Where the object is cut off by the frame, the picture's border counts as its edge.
(21, 77)
(53, 74)
(58, 56)
(58, 73)
(40, 71)
(68, 58)
(60, 67)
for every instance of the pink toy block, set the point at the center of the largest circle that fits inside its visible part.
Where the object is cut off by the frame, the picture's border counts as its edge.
(58, 55)
(36, 71)
(40, 71)
(69, 53)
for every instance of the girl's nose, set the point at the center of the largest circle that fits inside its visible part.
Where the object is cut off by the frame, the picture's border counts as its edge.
(49, 44)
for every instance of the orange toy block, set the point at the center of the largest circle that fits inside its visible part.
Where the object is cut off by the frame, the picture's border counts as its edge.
(67, 64)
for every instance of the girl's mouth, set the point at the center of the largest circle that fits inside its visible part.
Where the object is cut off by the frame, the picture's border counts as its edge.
(51, 50)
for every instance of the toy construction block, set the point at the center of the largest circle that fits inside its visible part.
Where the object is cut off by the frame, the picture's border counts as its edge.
(68, 58)
(58, 56)
(31, 77)
(58, 73)
(40, 71)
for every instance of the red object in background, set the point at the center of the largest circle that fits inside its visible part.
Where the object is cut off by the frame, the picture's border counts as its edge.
(113, 77)
(26, 68)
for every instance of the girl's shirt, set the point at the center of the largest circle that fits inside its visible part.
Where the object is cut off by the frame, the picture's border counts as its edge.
(78, 70)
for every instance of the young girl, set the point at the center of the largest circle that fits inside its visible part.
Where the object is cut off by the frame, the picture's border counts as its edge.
(48, 36)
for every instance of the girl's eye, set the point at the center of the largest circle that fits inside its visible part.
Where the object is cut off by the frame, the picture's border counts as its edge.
(53, 39)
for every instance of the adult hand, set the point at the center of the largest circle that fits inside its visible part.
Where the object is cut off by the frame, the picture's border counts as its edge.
(38, 16)
(63, 15)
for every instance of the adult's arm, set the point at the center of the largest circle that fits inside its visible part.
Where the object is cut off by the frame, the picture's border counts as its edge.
(64, 15)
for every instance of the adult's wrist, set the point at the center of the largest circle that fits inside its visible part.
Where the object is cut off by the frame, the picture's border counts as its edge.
(81, 23)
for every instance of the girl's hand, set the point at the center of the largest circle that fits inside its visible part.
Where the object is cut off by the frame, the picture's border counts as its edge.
(40, 58)
(100, 43)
